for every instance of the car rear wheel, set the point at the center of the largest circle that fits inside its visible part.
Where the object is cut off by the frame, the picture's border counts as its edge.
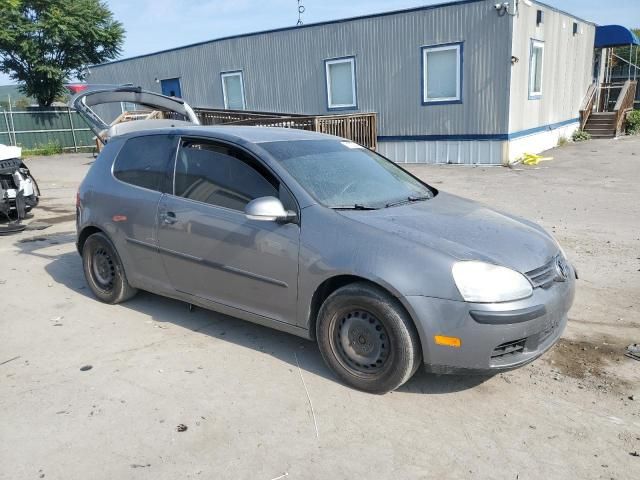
(103, 270)
(367, 338)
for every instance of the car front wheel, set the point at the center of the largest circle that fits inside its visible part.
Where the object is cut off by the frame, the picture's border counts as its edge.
(367, 338)
(103, 270)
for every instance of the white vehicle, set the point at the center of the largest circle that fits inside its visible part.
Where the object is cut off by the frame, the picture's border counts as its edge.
(19, 191)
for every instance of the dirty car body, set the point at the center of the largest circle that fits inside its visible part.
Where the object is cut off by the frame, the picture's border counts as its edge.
(483, 290)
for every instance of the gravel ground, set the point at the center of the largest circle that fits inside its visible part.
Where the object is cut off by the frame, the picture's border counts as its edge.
(241, 389)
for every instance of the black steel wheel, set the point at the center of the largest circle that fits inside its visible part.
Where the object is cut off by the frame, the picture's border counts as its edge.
(361, 342)
(367, 338)
(103, 270)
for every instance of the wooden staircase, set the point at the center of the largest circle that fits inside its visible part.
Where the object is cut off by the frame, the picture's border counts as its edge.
(601, 125)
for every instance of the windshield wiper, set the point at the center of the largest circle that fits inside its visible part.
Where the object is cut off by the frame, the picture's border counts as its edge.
(356, 206)
(409, 199)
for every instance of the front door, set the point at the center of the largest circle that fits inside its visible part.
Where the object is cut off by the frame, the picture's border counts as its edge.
(211, 250)
(171, 87)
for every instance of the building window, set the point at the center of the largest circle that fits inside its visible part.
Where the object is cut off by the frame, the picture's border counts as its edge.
(442, 74)
(233, 90)
(341, 83)
(535, 69)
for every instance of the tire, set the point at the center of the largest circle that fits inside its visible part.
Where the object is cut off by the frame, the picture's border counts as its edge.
(103, 270)
(367, 338)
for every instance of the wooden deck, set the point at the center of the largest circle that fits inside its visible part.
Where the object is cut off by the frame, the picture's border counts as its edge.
(361, 128)
(358, 127)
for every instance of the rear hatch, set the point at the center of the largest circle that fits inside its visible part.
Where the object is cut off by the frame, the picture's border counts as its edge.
(162, 111)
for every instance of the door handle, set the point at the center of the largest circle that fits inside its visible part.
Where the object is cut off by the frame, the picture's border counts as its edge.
(168, 218)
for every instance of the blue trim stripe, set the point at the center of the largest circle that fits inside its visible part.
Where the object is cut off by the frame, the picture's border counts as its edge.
(491, 136)
(433, 138)
(543, 128)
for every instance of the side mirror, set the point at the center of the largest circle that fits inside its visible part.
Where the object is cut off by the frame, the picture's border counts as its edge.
(268, 209)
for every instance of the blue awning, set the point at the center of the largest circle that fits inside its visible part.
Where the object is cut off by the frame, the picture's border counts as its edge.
(615, 36)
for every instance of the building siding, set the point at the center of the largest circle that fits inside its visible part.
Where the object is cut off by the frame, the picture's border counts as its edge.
(474, 152)
(284, 70)
(567, 68)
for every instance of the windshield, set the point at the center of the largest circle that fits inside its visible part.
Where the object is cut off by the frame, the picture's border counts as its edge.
(342, 174)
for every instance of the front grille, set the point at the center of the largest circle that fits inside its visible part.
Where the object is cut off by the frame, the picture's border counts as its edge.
(543, 276)
(509, 348)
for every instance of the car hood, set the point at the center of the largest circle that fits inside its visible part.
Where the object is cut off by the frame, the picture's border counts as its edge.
(465, 230)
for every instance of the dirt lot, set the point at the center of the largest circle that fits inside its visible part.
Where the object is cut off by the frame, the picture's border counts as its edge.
(238, 388)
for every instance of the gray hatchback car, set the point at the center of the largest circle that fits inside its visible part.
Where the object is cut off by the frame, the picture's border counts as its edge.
(319, 237)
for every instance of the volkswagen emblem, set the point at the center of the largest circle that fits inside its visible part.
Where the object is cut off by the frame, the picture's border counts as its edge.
(562, 269)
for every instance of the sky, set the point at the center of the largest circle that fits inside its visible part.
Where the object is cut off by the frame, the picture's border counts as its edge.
(154, 25)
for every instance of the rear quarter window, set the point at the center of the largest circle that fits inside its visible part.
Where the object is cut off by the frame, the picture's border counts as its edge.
(143, 161)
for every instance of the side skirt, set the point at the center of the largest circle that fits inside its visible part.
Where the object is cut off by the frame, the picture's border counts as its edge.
(237, 313)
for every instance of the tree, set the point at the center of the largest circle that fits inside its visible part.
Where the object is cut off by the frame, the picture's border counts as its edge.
(43, 43)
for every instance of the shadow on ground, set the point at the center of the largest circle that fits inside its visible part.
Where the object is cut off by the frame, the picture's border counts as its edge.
(66, 269)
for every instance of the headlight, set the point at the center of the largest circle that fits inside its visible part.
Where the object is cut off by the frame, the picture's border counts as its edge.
(485, 283)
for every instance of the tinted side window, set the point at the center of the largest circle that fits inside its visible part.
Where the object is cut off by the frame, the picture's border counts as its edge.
(143, 161)
(220, 175)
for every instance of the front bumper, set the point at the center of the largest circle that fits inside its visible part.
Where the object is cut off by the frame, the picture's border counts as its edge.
(494, 337)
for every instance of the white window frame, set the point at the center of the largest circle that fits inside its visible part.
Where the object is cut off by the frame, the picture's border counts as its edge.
(335, 61)
(236, 73)
(533, 95)
(449, 46)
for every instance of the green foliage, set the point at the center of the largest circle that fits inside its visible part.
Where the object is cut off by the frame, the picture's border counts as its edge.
(19, 103)
(51, 148)
(45, 42)
(562, 141)
(580, 135)
(633, 123)
(22, 103)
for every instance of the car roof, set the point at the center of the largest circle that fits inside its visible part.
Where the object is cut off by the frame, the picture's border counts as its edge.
(240, 133)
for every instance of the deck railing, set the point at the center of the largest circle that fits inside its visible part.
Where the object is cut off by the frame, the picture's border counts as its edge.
(358, 127)
(624, 104)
